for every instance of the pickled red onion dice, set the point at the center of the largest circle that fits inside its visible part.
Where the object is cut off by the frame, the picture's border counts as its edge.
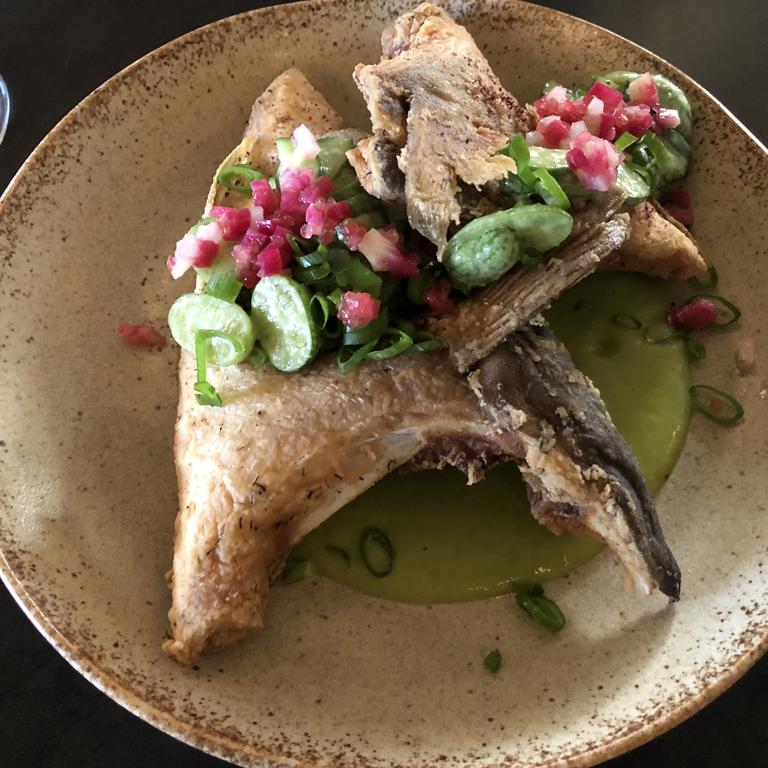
(141, 335)
(322, 218)
(609, 97)
(438, 298)
(667, 118)
(635, 119)
(551, 103)
(271, 261)
(643, 90)
(351, 234)
(357, 309)
(305, 143)
(595, 162)
(234, 222)
(322, 187)
(593, 117)
(279, 238)
(211, 231)
(697, 315)
(573, 111)
(245, 256)
(551, 132)
(265, 197)
(385, 256)
(191, 251)
(292, 182)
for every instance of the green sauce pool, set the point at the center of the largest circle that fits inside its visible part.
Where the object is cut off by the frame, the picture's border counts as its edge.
(454, 542)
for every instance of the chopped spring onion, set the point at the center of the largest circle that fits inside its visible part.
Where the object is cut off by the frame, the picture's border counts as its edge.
(371, 332)
(625, 140)
(206, 393)
(377, 552)
(296, 570)
(492, 661)
(228, 177)
(401, 343)
(518, 150)
(541, 608)
(325, 307)
(709, 401)
(695, 349)
(735, 312)
(224, 285)
(312, 274)
(298, 244)
(346, 364)
(424, 341)
(709, 283)
(626, 321)
(313, 259)
(551, 192)
(351, 273)
(339, 552)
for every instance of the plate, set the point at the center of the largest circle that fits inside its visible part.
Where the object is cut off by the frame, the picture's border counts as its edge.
(87, 486)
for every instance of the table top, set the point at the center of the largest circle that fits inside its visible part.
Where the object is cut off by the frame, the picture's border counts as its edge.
(52, 54)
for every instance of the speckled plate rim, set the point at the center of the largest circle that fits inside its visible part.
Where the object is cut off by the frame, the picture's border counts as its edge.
(218, 744)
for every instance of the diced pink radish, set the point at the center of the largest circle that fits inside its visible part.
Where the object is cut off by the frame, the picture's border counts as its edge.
(667, 118)
(551, 132)
(141, 335)
(265, 197)
(574, 111)
(595, 162)
(385, 256)
(643, 90)
(280, 239)
(245, 256)
(306, 145)
(351, 234)
(358, 309)
(610, 97)
(234, 222)
(321, 187)
(697, 315)
(438, 298)
(551, 103)
(292, 182)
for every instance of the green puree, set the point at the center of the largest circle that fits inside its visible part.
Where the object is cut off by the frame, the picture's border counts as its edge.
(453, 542)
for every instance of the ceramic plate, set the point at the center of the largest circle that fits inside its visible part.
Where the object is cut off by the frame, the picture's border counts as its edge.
(88, 488)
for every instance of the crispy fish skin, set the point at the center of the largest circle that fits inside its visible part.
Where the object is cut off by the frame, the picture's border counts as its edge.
(439, 115)
(580, 473)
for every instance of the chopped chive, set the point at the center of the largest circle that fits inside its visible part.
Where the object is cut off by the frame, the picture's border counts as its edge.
(229, 176)
(377, 552)
(541, 608)
(312, 274)
(346, 364)
(339, 552)
(625, 140)
(695, 349)
(371, 332)
(296, 570)
(627, 321)
(723, 302)
(325, 307)
(709, 283)
(424, 341)
(493, 661)
(709, 400)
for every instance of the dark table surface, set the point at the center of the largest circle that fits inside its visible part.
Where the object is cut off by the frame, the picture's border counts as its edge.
(52, 54)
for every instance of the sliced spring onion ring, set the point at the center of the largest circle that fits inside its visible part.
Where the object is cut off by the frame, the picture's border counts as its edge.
(424, 341)
(228, 177)
(627, 321)
(377, 552)
(340, 552)
(325, 307)
(298, 244)
(206, 393)
(541, 609)
(371, 332)
(695, 349)
(551, 192)
(351, 273)
(702, 396)
(723, 302)
(402, 342)
(312, 274)
(625, 140)
(224, 285)
(346, 364)
(492, 661)
(709, 283)
(518, 150)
